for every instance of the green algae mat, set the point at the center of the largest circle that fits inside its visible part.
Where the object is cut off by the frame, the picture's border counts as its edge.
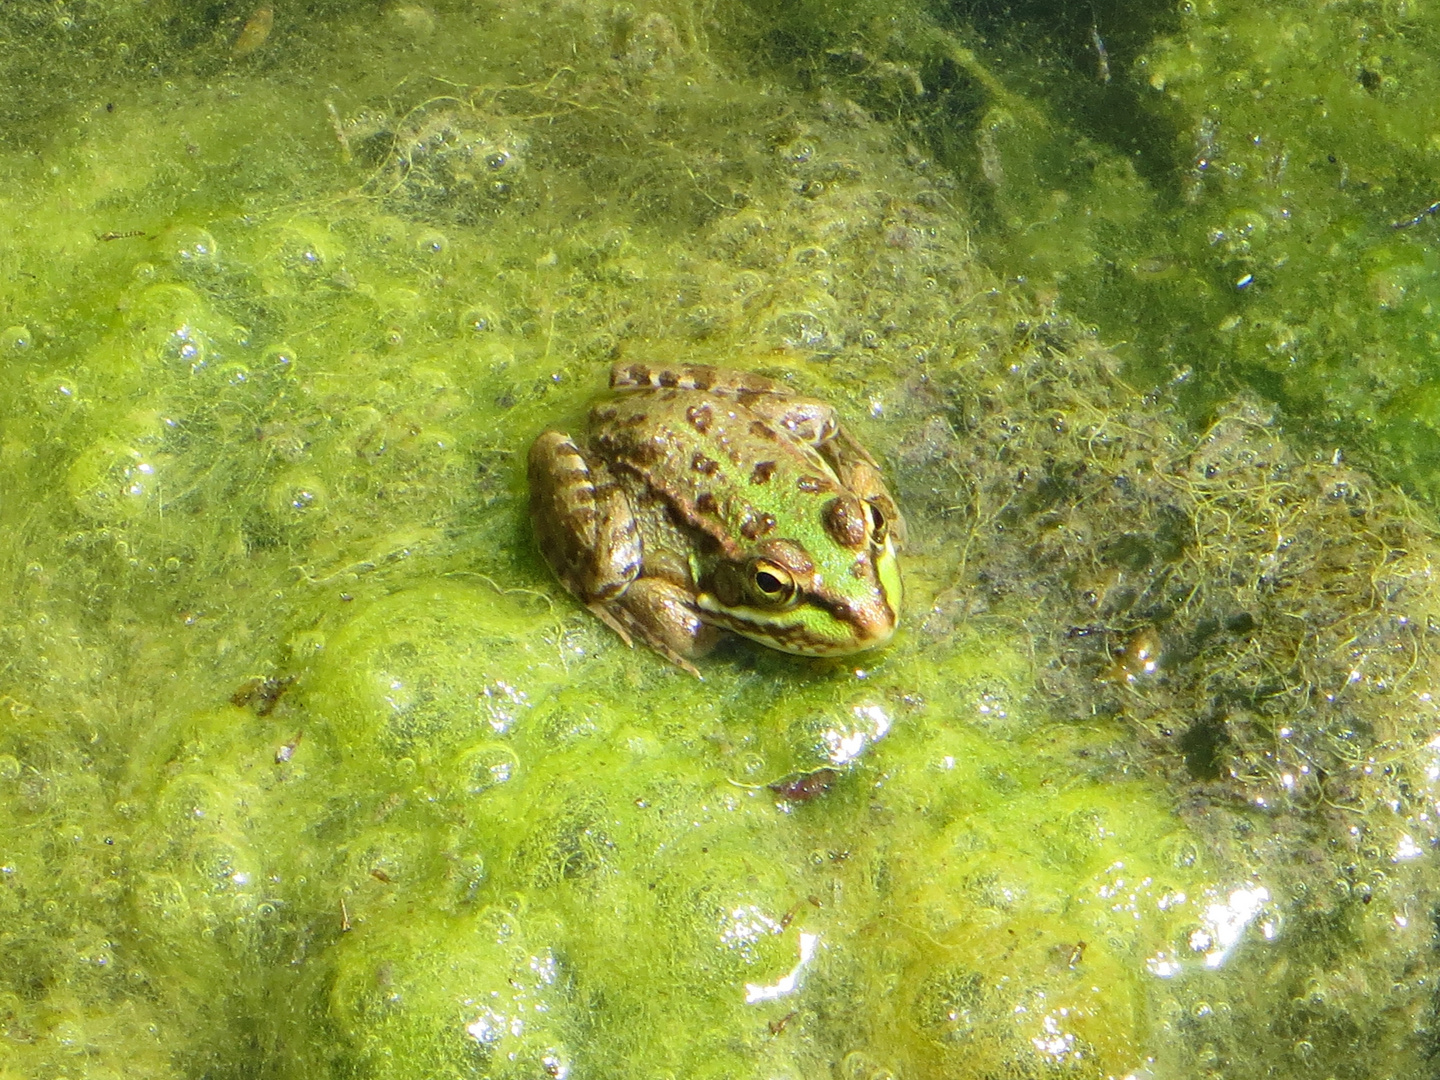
(308, 766)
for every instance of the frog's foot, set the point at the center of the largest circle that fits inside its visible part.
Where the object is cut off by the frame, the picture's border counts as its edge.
(622, 622)
(583, 520)
(662, 615)
(602, 612)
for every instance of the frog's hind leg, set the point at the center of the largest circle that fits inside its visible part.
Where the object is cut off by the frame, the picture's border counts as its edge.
(804, 419)
(583, 522)
(637, 375)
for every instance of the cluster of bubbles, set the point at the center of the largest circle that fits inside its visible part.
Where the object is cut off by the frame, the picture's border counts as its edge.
(443, 158)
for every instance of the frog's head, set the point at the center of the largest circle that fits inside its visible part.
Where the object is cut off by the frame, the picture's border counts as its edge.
(838, 592)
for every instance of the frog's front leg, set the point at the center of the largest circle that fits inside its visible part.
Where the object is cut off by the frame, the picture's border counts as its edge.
(664, 615)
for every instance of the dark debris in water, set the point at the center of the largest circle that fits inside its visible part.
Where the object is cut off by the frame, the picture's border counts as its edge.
(261, 694)
(805, 787)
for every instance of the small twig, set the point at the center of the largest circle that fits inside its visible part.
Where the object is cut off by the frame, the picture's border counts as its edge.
(339, 128)
(1102, 71)
(1429, 211)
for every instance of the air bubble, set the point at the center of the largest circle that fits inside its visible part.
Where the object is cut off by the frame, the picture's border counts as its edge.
(280, 359)
(613, 241)
(412, 19)
(298, 498)
(469, 871)
(486, 766)
(15, 339)
(235, 374)
(306, 251)
(477, 321)
(193, 248)
(797, 153)
(114, 481)
(186, 346)
(432, 242)
(800, 329)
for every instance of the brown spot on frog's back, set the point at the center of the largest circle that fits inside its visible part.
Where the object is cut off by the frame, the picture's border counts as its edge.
(646, 452)
(762, 472)
(762, 430)
(705, 466)
(700, 417)
(753, 526)
(812, 484)
(707, 504)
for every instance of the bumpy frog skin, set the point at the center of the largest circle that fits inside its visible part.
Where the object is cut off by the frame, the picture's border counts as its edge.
(706, 500)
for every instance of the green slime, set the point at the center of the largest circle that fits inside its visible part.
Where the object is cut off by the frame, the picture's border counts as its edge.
(277, 343)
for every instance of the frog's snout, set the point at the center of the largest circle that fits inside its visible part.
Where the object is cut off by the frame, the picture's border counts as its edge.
(874, 624)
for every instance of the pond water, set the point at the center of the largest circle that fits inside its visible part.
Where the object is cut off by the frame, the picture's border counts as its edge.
(309, 767)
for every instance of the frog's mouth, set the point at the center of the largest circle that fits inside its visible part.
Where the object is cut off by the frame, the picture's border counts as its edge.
(817, 626)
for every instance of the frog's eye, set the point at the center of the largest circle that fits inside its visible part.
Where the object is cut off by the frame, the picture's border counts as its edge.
(879, 525)
(771, 582)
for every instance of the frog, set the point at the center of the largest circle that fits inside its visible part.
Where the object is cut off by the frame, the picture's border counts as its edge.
(704, 502)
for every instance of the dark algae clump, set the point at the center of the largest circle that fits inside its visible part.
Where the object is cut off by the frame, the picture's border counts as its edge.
(308, 767)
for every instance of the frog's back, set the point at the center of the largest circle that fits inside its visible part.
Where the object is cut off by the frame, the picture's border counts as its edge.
(724, 470)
